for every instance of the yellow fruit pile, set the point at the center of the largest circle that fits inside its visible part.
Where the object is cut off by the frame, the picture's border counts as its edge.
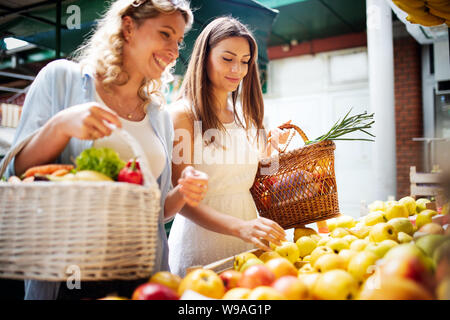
(426, 12)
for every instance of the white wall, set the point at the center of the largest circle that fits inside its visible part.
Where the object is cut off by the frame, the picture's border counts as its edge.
(314, 91)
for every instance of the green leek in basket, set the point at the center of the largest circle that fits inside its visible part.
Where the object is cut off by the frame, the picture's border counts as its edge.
(360, 122)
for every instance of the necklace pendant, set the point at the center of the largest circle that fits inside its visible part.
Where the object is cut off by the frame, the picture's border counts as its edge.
(129, 116)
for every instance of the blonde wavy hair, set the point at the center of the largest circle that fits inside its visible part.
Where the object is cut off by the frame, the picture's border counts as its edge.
(103, 49)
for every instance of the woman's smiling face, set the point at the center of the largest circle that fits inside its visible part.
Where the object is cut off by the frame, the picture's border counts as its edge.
(153, 45)
(228, 64)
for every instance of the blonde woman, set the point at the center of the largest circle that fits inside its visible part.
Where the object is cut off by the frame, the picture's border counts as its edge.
(117, 82)
(217, 137)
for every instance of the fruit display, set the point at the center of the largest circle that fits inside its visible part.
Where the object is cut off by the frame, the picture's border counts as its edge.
(384, 255)
(426, 13)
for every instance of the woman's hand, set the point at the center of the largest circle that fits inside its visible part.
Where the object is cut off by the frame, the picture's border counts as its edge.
(278, 136)
(86, 121)
(193, 185)
(259, 229)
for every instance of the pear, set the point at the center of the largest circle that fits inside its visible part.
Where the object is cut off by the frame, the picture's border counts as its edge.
(402, 225)
(410, 204)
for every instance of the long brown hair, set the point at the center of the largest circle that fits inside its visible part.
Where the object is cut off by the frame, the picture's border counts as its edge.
(196, 87)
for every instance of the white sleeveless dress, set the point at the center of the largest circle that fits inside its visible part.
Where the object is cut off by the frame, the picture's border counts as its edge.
(231, 173)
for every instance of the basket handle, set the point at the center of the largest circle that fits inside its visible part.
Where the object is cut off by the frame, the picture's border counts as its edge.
(297, 129)
(149, 180)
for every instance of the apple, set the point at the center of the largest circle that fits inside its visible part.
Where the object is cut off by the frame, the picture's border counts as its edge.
(166, 278)
(237, 294)
(303, 231)
(430, 242)
(381, 248)
(442, 251)
(377, 205)
(394, 288)
(443, 289)
(402, 225)
(382, 231)
(362, 265)
(307, 258)
(319, 251)
(347, 255)
(404, 251)
(154, 291)
(411, 268)
(373, 218)
(241, 258)
(250, 262)
(257, 275)
(268, 255)
(230, 278)
(331, 224)
(203, 281)
(404, 237)
(350, 238)
(421, 204)
(410, 204)
(315, 237)
(339, 232)
(396, 210)
(329, 262)
(423, 218)
(281, 267)
(358, 245)
(361, 231)
(307, 268)
(431, 228)
(305, 245)
(335, 285)
(291, 287)
(345, 221)
(288, 250)
(265, 293)
(111, 297)
(337, 244)
(323, 241)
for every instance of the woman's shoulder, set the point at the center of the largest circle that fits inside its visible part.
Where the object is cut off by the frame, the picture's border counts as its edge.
(180, 112)
(61, 69)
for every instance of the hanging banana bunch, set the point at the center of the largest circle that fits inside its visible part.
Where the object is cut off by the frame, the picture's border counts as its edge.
(426, 12)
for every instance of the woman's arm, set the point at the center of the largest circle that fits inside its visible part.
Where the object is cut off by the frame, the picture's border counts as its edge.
(250, 231)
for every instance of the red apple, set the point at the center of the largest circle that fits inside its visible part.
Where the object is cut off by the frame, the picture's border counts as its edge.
(291, 287)
(154, 291)
(255, 276)
(230, 278)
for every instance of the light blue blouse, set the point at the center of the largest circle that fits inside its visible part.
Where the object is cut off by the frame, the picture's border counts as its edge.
(62, 84)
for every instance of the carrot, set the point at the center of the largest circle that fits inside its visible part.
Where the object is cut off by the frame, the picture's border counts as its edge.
(47, 169)
(60, 172)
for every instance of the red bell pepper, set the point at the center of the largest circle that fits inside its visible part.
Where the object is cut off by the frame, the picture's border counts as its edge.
(131, 173)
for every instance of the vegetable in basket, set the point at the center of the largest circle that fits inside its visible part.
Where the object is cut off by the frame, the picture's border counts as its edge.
(103, 160)
(131, 173)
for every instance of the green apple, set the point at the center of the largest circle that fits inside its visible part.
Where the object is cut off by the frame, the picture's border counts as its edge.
(337, 244)
(382, 231)
(381, 248)
(331, 224)
(362, 265)
(373, 218)
(329, 262)
(421, 204)
(410, 204)
(402, 225)
(423, 218)
(345, 221)
(250, 262)
(350, 238)
(339, 232)
(377, 205)
(430, 242)
(396, 210)
(335, 285)
(241, 258)
(288, 250)
(319, 251)
(403, 237)
(305, 245)
(358, 245)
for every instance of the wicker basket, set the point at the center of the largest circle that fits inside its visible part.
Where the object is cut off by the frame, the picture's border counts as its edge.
(79, 230)
(297, 187)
